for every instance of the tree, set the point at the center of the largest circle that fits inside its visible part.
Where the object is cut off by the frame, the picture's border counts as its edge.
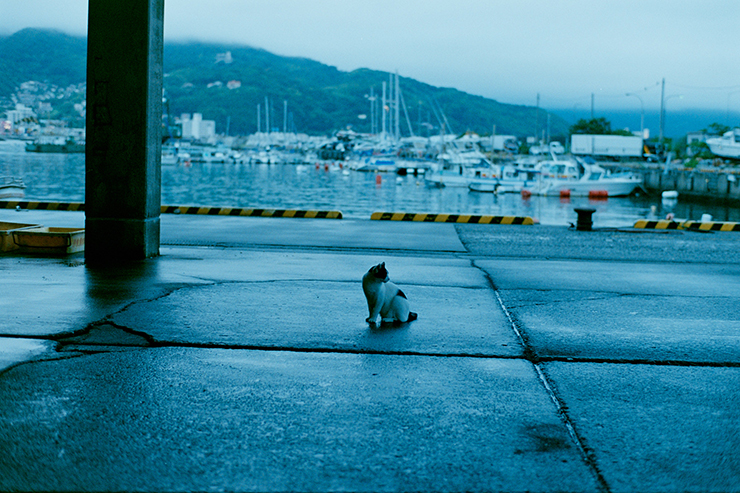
(594, 126)
(717, 129)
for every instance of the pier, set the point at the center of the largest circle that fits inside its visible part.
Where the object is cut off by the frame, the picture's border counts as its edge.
(544, 359)
(720, 186)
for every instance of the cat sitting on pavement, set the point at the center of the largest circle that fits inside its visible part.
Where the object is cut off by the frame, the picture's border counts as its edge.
(385, 298)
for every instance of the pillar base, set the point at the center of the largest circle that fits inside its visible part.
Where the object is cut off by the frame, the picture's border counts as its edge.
(111, 241)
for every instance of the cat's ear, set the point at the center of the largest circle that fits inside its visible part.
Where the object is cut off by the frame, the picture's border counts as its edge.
(382, 264)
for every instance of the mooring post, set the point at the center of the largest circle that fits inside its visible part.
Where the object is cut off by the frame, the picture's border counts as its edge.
(584, 222)
(124, 127)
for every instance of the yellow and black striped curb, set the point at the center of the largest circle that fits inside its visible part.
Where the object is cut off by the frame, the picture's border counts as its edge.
(178, 209)
(42, 206)
(690, 225)
(235, 211)
(662, 224)
(711, 226)
(451, 218)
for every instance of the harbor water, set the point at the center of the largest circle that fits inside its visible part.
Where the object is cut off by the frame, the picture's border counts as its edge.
(61, 178)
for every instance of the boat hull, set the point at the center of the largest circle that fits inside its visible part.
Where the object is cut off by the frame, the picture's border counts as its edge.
(612, 188)
(722, 149)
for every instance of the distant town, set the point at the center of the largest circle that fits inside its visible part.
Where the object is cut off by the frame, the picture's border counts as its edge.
(43, 112)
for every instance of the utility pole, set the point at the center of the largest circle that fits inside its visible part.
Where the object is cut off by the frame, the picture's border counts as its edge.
(592, 106)
(285, 116)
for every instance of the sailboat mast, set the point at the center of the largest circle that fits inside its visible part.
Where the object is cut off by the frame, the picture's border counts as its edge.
(398, 109)
(382, 114)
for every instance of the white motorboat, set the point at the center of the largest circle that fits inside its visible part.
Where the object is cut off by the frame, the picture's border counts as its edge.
(558, 177)
(169, 156)
(376, 164)
(459, 169)
(11, 188)
(726, 146)
(508, 178)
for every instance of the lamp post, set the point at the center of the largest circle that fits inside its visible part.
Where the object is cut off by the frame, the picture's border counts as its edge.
(642, 113)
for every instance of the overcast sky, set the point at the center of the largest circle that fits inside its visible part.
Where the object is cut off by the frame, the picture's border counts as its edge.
(509, 50)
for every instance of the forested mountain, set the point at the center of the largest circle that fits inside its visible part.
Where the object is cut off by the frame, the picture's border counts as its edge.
(226, 83)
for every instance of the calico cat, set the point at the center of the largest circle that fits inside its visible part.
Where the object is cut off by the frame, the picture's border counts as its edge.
(384, 298)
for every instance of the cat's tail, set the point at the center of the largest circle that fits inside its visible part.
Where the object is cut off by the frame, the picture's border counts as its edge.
(412, 316)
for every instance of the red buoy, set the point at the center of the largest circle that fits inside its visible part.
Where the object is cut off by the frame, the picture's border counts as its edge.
(526, 194)
(598, 194)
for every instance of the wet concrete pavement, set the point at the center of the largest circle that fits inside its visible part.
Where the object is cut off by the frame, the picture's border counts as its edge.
(544, 359)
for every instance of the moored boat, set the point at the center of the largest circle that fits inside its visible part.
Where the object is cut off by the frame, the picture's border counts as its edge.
(727, 146)
(11, 188)
(56, 145)
(558, 177)
(459, 169)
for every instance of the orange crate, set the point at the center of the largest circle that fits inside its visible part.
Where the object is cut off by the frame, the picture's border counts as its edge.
(50, 241)
(6, 234)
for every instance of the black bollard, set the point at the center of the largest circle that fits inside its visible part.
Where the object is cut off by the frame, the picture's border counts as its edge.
(584, 218)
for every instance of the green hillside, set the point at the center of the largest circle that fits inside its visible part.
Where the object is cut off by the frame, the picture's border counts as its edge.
(321, 98)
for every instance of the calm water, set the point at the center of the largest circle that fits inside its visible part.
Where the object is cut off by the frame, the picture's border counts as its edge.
(59, 177)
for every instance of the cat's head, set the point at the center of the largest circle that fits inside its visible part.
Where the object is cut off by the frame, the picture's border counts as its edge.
(379, 272)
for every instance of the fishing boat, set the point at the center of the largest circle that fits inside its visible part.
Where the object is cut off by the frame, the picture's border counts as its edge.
(56, 145)
(559, 177)
(727, 146)
(11, 188)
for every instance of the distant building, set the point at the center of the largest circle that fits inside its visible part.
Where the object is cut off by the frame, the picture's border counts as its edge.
(21, 113)
(224, 57)
(196, 128)
(234, 84)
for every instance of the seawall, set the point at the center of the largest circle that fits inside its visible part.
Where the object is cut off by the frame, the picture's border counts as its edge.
(718, 186)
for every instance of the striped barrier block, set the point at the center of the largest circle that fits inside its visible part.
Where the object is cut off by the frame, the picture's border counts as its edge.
(451, 218)
(711, 226)
(42, 206)
(662, 224)
(176, 209)
(238, 211)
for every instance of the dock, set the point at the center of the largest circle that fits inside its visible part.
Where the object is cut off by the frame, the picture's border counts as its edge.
(544, 359)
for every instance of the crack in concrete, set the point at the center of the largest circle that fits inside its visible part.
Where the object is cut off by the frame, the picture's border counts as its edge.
(587, 454)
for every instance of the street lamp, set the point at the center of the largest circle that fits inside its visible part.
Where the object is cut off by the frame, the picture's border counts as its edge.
(642, 113)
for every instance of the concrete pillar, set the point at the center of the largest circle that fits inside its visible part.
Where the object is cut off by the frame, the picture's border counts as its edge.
(124, 126)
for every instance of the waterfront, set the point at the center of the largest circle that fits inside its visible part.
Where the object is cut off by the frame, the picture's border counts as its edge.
(60, 177)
